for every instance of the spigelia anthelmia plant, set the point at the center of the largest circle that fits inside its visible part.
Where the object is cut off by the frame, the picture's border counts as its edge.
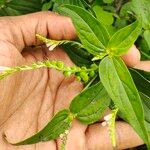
(108, 82)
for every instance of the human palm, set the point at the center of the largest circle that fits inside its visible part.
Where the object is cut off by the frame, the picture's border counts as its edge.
(28, 100)
(33, 97)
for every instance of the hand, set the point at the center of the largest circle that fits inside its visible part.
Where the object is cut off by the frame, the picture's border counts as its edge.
(29, 99)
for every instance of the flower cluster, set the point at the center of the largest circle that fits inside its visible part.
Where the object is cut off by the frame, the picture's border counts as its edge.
(52, 44)
(110, 121)
(82, 74)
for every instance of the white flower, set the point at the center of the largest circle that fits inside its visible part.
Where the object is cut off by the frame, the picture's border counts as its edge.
(61, 136)
(52, 47)
(107, 117)
(48, 44)
(104, 123)
(67, 132)
(3, 68)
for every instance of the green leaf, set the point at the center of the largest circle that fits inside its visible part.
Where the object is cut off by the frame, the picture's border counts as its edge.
(47, 5)
(90, 105)
(91, 32)
(79, 56)
(112, 30)
(148, 127)
(147, 37)
(97, 2)
(15, 7)
(7, 11)
(80, 3)
(142, 9)
(144, 49)
(146, 105)
(123, 39)
(58, 125)
(118, 82)
(145, 74)
(2, 2)
(126, 9)
(103, 16)
(108, 1)
(142, 84)
(58, 3)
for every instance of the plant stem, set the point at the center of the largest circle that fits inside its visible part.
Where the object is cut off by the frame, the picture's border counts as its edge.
(58, 65)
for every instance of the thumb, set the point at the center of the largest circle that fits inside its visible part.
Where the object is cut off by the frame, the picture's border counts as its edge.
(98, 138)
(132, 59)
(21, 30)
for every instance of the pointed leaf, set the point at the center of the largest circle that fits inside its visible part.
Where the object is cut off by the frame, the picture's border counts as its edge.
(91, 32)
(15, 7)
(142, 8)
(90, 105)
(145, 74)
(146, 105)
(52, 130)
(123, 39)
(118, 82)
(58, 3)
(103, 16)
(142, 84)
(147, 37)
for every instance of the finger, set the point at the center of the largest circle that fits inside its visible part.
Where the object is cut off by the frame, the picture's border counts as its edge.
(21, 30)
(143, 65)
(98, 137)
(132, 58)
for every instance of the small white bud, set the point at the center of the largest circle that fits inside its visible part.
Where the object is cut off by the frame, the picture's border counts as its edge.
(48, 44)
(61, 136)
(67, 132)
(3, 68)
(52, 47)
(107, 117)
(104, 123)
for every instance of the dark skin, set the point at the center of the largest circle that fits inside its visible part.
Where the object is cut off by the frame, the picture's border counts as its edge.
(29, 99)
